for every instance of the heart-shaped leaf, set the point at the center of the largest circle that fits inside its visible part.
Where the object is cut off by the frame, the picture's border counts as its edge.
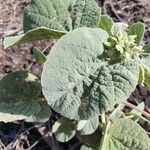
(77, 81)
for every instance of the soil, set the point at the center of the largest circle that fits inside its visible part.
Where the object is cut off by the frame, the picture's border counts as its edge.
(20, 135)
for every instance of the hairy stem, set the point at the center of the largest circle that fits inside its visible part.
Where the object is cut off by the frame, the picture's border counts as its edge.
(104, 137)
(103, 118)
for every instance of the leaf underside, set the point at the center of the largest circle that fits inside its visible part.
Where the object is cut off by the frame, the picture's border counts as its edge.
(41, 33)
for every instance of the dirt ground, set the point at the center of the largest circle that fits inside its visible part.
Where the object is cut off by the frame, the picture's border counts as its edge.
(21, 58)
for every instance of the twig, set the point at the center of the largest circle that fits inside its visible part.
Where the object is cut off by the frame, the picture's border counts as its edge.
(1, 145)
(137, 109)
(27, 130)
(18, 136)
(114, 11)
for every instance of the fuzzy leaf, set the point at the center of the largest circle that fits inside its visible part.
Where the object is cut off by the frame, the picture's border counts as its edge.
(125, 134)
(18, 110)
(85, 13)
(77, 83)
(18, 94)
(106, 23)
(118, 27)
(48, 13)
(63, 84)
(146, 48)
(84, 147)
(137, 29)
(142, 75)
(43, 115)
(64, 130)
(39, 55)
(40, 33)
(62, 15)
(89, 126)
(145, 61)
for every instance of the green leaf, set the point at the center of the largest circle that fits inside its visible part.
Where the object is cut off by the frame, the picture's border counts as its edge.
(48, 13)
(146, 48)
(141, 107)
(63, 84)
(145, 62)
(85, 13)
(118, 27)
(18, 111)
(106, 23)
(138, 115)
(126, 134)
(137, 29)
(83, 85)
(33, 35)
(64, 129)
(39, 55)
(147, 77)
(88, 126)
(142, 75)
(84, 147)
(43, 115)
(62, 15)
(9, 41)
(18, 94)
(92, 140)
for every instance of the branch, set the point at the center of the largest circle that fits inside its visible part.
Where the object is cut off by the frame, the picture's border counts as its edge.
(146, 114)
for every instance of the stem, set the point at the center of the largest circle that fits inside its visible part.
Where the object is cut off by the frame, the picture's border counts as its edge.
(137, 109)
(104, 137)
(103, 119)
